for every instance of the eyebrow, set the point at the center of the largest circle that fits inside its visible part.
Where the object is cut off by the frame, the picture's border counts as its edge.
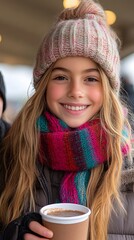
(67, 70)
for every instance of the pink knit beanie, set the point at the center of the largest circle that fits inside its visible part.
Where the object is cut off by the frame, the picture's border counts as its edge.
(82, 31)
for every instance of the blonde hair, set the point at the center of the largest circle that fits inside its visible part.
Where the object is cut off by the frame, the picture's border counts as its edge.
(21, 146)
(103, 187)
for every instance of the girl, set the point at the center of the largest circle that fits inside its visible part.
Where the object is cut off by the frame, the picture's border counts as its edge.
(69, 141)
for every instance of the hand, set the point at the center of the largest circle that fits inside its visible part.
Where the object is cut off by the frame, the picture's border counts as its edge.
(36, 227)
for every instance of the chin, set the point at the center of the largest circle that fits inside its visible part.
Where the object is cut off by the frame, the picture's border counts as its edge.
(75, 125)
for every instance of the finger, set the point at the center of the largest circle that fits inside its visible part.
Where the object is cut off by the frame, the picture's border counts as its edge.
(29, 236)
(39, 229)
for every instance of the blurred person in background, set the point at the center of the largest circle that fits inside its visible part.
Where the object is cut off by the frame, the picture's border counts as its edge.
(4, 125)
(128, 92)
(127, 95)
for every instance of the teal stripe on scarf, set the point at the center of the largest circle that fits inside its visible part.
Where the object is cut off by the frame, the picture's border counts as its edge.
(63, 124)
(125, 132)
(81, 183)
(42, 124)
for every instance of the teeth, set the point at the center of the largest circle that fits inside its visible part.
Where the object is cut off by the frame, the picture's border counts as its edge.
(75, 108)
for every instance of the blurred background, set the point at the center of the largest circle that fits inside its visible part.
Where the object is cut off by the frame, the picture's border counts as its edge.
(23, 24)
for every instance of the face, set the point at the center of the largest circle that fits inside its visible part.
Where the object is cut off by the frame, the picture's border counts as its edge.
(1, 106)
(74, 91)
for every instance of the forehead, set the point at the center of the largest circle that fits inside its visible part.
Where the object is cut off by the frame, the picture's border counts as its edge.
(76, 63)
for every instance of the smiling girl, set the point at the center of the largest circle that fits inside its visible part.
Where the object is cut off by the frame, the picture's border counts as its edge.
(70, 141)
(74, 91)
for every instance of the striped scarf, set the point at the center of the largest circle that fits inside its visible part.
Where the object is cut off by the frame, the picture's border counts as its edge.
(72, 150)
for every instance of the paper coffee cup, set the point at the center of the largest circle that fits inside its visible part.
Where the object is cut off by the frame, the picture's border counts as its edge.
(67, 221)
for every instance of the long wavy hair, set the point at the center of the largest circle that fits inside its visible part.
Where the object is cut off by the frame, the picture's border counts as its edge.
(21, 146)
(104, 184)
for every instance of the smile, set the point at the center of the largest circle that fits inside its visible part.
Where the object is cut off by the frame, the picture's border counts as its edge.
(75, 108)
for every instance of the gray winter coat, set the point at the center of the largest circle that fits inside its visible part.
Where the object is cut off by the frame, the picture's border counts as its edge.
(121, 226)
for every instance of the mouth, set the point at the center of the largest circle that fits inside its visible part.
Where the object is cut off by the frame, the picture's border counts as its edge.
(75, 107)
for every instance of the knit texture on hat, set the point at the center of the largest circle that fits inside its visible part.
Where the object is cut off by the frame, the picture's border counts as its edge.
(82, 31)
(3, 91)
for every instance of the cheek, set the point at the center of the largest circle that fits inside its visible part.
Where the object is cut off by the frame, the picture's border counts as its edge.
(54, 93)
(97, 95)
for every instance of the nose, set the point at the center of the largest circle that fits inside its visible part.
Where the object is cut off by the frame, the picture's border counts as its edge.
(75, 90)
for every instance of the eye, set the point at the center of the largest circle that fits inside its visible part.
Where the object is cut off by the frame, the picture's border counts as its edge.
(91, 79)
(60, 78)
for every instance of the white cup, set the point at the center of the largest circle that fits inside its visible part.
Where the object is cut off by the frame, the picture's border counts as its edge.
(64, 226)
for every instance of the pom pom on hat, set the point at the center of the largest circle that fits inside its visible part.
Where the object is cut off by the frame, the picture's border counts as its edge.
(81, 31)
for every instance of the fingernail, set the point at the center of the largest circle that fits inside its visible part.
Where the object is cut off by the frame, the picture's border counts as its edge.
(49, 234)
